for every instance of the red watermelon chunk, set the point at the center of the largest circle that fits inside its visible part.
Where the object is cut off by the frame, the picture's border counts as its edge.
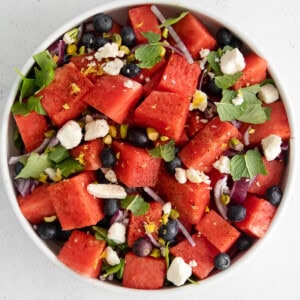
(203, 253)
(254, 72)
(82, 253)
(143, 272)
(261, 183)
(190, 199)
(142, 19)
(194, 35)
(114, 96)
(208, 145)
(37, 205)
(217, 231)
(74, 206)
(164, 111)
(90, 152)
(149, 86)
(259, 215)
(195, 122)
(135, 167)
(63, 97)
(136, 228)
(179, 76)
(32, 128)
(278, 125)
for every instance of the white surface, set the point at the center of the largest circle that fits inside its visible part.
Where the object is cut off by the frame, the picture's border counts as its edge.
(272, 273)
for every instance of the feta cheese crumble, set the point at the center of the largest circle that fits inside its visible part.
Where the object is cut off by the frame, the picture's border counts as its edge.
(113, 67)
(271, 146)
(111, 256)
(106, 191)
(199, 101)
(70, 134)
(167, 207)
(117, 233)
(268, 93)
(196, 176)
(95, 129)
(180, 175)
(238, 100)
(222, 165)
(179, 271)
(232, 61)
(109, 50)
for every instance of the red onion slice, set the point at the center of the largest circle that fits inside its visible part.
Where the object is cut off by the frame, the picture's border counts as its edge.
(247, 137)
(239, 191)
(153, 240)
(154, 195)
(186, 233)
(25, 186)
(220, 187)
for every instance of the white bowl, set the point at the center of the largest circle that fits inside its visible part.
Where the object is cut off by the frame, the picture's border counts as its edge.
(117, 9)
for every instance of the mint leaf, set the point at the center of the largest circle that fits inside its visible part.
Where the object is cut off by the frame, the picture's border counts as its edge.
(247, 165)
(35, 165)
(227, 80)
(228, 112)
(148, 55)
(58, 154)
(166, 151)
(136, 204)
(69, 166)
(253, 114)
(171, 21)
(152, 37)
(249, 93)
(213, 59)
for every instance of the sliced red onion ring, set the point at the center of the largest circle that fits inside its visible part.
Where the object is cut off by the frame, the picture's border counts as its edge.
(186, 233)
(220, 187)
(284, 146)
(175, 49)
(153, 240)
(236, 124)
(247, 137)
(58, 48)
(179, 43)
(117, 217)
(154, 195)
(53, 142)
(239, 191)
(25, 186)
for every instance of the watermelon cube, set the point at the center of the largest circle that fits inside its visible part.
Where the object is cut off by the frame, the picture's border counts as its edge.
(254, 72)
(82, 253)
(278, 125)
(136, 228)
(32, 128)
(143, 272)
(195, 122)
(190, 199)
(259, 215)
(179, 76)
(149, 86)
(74, 206)
(90, 153)
(217, 231)
(114, 96)
(36, 205)
(261, 182)
(208, 145)
(164, 111)
(194, 35)
(135, 167)
(203, 253)
(63, 97)
(142, 19)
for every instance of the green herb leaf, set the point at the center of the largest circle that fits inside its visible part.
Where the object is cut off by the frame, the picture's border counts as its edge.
(152, 37)
(44, 60)
(27, 88)
(213, 59)
(136, 204)
(253, 114)
(171, 21)
(44, 76)
(35, 165)
(58, 154)
(148, 55)
(228, 112)
(34, 104)
(227, 80)
(69, 166)
(166, 151)
(20, 108)
(120, 272)
(247, 165)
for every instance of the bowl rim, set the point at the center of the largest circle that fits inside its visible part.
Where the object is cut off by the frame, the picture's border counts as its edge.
(4, 129)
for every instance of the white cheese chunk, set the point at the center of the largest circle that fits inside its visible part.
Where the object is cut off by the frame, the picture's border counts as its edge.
(222, 164)
(95, 129)
(167, 207)
(271, 146)
(70, 134)
(68, 39)
(111, 176)
(196, 176)
(179, 271)
(106, 191)
(199, 101)
(109, 50)
(180, 175)
(268, 93)
(111, 256)
(113, 67)
(117, 233)
(238, 100)
(232, 61)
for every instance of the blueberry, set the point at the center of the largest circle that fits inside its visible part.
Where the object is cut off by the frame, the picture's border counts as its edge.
(47, 230)
(213, 89)
(168, 231)
(105, 222)
(172, 165)
(236, 43)
(274, 195)
(87, 40)
(138, 137)
(223, 37)
(130, 70)
(128, 36)
(222, 261)
(102, 22)
(142, 247)
(111, 206)
(18, 167)
(244, 242)
(236, 213)
(99, 42)
(108, 158)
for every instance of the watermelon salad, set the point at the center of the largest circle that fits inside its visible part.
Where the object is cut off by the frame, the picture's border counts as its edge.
(152, 152)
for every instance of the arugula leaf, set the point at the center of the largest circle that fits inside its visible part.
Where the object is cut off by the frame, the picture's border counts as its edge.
(35, 165)
(58, 153)
(44, 76)
(20, 108)
(69, 166)
(136, 204)
(166, 151)
(227, 80)
(171, 21)
(152, 37)
(24, 108)
(247, 165)
(44, 60)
